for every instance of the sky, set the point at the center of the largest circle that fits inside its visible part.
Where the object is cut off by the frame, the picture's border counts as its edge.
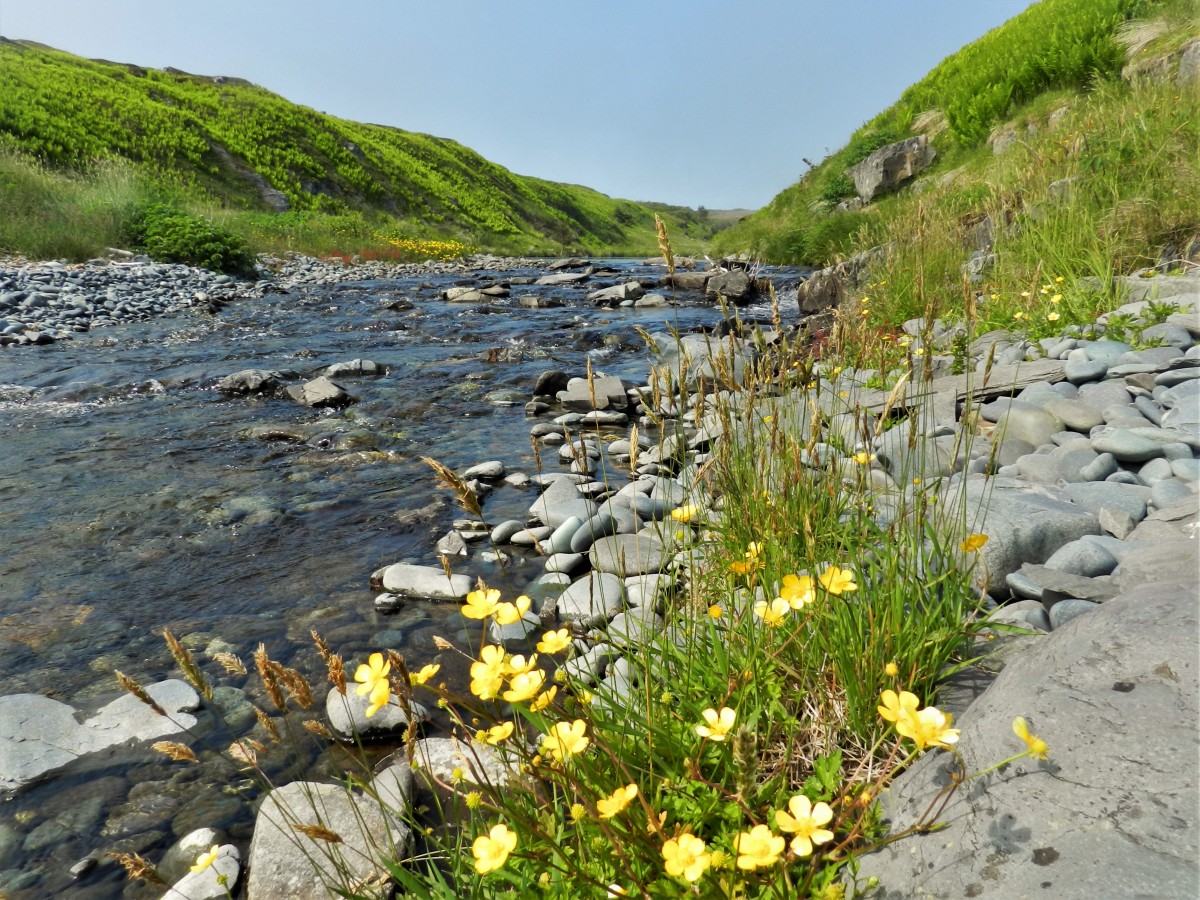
(693, 102)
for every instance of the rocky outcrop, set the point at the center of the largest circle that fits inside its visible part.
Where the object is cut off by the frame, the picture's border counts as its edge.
(827, 288)
(889, 167)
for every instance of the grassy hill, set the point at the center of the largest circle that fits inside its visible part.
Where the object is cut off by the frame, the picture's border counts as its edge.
(279, 172)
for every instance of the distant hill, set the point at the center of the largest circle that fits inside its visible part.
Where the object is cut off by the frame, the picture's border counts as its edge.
(225, 139)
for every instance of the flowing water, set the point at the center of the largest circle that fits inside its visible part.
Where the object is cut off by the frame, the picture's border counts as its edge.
(135, 497)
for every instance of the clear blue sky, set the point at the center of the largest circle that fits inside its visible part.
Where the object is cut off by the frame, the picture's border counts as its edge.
(695, 102)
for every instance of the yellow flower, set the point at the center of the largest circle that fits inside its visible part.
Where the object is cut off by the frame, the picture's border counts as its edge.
(543, 700)
(920, 351)
(373, 680)
(805, 821)
(425, 673)
(715, 612)
(891, 670)
(929, 727)
(555, 641)
(685, 513)
(719, 723)
(757, 848)
(772, 613)
(797, 591)
(1057, 298)
(1053, 317)
(838, 581)
(481, 604)
(1026, 294)
(617, 801)
(491, 850)
(862, 457)
(1018, 315)
(204, 860)
(973, 542)
(518, 665)
(1038, 748)
(565, 740)
(497, 734)
(768, 419)
(508, 613)
(895, 706)
(524, 686)
(751, 563)
(487, 675)
(1058, 279)
(686, 857)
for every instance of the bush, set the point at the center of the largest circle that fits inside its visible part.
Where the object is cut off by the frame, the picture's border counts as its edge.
(170, 235)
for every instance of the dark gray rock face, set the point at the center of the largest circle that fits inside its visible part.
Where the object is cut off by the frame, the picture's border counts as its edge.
(889, 167)
(257, 382)
(321, 391)
(1113, 812)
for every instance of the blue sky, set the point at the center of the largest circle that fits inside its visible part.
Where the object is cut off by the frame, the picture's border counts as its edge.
(695, 102)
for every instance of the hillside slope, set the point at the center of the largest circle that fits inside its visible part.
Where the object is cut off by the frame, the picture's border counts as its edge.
(236, 144)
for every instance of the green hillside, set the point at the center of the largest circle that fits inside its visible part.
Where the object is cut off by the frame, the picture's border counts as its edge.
(231, 145)
(1052, 53)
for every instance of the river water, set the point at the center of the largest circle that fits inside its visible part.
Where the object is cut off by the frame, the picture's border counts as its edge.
(135, 497)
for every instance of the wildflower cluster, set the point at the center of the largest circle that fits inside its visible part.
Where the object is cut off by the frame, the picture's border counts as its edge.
(428, 249)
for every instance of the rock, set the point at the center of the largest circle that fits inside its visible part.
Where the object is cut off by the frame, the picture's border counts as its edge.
(1064, 611)
(560, 502)
(652, 301)
(286, 864)
(477, 763)
(608, 392)
(464, 295)
(567, 563)
(503, 532)
(321, 392)
(570, 278)
(705, 357)
(1075, 415)
(347, 715)
(627, 554)
(425, 582)
(452, 544)
(612, 296)
(736, 287)
(1034, 426)
(1054, 585)
(492, 470)
(258, 382)
(1130, 499)
(204, 885)
(39, 735)
(514, 632)
(598, 597)
(1127, 668)
(354, 368)
(531, 537)
(634, 627)
(891, 166)
(1085, 556)
(1125, 445)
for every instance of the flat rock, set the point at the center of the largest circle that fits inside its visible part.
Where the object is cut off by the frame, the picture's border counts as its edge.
(425, 582)
(204, 885)
(1098, 820)
(599, 596)
(627, 554)
(320, 392)
(347, 714)
(1056, 585)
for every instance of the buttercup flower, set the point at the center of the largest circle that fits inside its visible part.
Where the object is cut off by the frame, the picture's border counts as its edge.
(715, 612)
(491, 850)
(487, 675)
(519, 665)
(1057, 298)
(685, 513)
(895, 706)
(891, 670)
(497, 734)
(424, 674)
(543, 700)
(206, 859)
(772, 613)
(929, 727)
(1053, 317)
(481, 604)
(973, 542)
(372, 679)
(838, 581)
(609, 806)
(805, 821)
(1038, 748)
(565, 740)
(719, 723)
(524, 686)
(555, 641)
(757, 848)
(797, 591)
(686, 857)
(510, 613)
(752, 563)
(862, 457)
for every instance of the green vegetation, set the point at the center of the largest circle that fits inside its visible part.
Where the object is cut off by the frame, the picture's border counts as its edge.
(1051, 52)
(226, 148)
(167, 234)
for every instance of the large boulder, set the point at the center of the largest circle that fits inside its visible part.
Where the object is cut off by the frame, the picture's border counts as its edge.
(700, 357)
(737, 287)
(1113, 812)
(321, 391)
(425, 582)
(889, 167)
(828, 287)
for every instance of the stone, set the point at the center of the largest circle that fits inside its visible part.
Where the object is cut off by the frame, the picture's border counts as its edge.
(889, 167)
(634, 627)
(1083, 371)
(1127, 668)
(1169, 491)
(736, 287)
(618, 293)
(492, 470)
(39, 735)
(598, 526)
(503, 532)
(1085, 557)
(514, 632)
(1075, 415)
(442, 757)
(452, 544)
(1064, 611)
(597, 597)
(424, 582)
(347, 714)
(257, 382)
(1125, 445)
(204, 885)
(321, 392)
(1130, 499)
(566, 563)
(627, 554)
(286, 864)
(353, 368)
(1055, 585)
(608, 392)
(1034, 426)
(560, 502)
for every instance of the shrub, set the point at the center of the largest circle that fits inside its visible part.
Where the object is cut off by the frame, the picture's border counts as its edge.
(170, 235)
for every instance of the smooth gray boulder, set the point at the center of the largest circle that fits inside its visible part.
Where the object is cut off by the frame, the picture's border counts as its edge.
(561, 502)
(1113, 813)
(347, 714)
(321, 392)
(205, 884)
(736, 286)
(425, 582)
(39, 734)
(599, 596)
(627, 554)
(286, 864)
